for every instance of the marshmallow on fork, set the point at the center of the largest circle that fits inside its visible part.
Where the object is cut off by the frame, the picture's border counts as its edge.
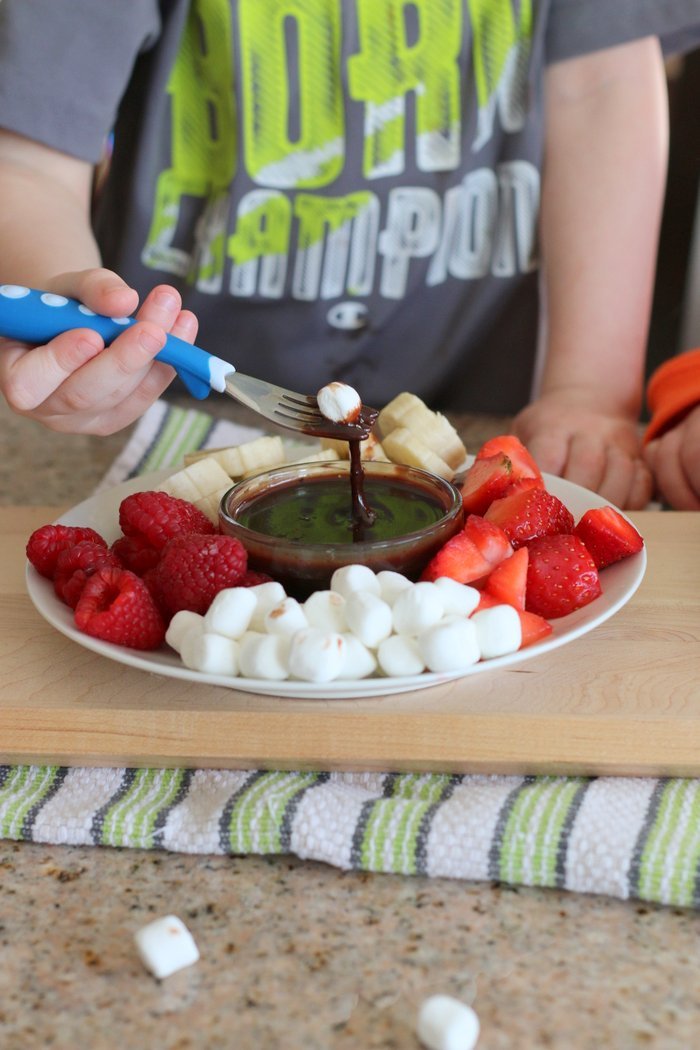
(339, 402)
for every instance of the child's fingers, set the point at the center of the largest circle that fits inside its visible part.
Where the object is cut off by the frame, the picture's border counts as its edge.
(585, 462)
(29, 376)
(102, 290)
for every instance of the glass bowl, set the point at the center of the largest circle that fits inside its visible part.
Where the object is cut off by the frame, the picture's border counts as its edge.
(296, 521)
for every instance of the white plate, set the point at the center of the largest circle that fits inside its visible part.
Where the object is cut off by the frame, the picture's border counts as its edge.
(100, 512)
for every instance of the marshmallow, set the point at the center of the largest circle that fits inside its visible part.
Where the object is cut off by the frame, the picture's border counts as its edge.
(368, 617)
(459, 598)
(391, 584)
(285, 618)
(165, 946)
(450, 645)
(264, 655)
(445, 1023)
(267, 596)
(359, 661)
(316, 655)
(350, 578)
(399, 655)
(339, 402)
(418, 608)
(210, 653)
(326, 609)
(498, 630)
(230, 612)
(180, 624)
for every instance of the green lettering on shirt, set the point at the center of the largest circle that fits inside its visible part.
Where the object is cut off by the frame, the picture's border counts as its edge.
(203, 129)
(388, 67)
(280, 39)
(494, 34)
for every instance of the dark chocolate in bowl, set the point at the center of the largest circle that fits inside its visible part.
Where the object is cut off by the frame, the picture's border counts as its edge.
(296, 521)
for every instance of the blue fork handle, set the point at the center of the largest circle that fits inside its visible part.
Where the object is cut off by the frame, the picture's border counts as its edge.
(37, 317)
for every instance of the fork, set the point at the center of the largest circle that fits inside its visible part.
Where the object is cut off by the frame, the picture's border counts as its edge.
(36, 317)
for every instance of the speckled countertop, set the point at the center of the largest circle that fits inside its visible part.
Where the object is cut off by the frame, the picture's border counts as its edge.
(301, 955)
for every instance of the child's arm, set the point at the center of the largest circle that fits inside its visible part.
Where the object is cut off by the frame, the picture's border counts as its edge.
(605, 166)
(73, 384)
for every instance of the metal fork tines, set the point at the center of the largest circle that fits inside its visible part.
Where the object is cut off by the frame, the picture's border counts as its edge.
(295, 411)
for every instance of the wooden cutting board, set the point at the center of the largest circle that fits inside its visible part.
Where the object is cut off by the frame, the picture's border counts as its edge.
(621, 700)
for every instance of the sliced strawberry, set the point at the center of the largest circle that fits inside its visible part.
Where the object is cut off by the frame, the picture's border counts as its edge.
(508, 580)
(487, 601)
(489, 538)
(460, 559)
(522, 484)
(608, 535)
(526, 515)
(522, 462)
(535, 628)
(561, 576)
(486, 480)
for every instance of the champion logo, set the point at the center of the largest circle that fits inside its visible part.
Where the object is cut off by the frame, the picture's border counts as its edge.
(348, 316)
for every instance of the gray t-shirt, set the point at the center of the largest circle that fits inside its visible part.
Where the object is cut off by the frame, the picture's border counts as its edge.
(342, 189)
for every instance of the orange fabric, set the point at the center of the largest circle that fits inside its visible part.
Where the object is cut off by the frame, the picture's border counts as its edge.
(674, 388)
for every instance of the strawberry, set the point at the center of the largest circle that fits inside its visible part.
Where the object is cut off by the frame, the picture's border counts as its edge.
(561, 576)
(523, 465)
(135, 553)
(156, 517)
(521, 484)
(486, 480)
(115, 606)
(75, 564)
(528, 514)
(534, 628)
(460, 559)
(45, 545)
(489, 538)
(193, 569)
(508, 580)
(608, 535)
(487, 601)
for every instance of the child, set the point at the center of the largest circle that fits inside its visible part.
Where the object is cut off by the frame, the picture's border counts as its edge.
(673, 435)
(367, 190)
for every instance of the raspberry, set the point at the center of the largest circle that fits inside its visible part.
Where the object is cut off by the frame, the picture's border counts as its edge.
(193, 569)
(45, 545)
(156, 517)
(135, 553)
(251, 578)
(115, 606)
(75, 564)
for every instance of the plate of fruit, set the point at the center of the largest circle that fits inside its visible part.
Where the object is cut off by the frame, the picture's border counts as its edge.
(142, 574)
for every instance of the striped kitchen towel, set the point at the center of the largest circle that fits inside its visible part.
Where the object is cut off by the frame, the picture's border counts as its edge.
(624, 837)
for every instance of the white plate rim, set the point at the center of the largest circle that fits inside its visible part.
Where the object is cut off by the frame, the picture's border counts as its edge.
(620, 581)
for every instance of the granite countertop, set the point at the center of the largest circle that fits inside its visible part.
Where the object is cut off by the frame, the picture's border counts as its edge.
(303, 955)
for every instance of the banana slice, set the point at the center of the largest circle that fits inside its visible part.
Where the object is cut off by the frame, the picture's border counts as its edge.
(403, 447)
(370, 448)
(252, 456)
(197, 480)
(209, 505)
(430, 428)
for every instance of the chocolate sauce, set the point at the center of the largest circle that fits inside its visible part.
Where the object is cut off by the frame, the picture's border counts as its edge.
(362, 514)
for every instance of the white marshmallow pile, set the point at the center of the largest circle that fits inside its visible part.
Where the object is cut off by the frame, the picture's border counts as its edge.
(165, 946)
(339, 402)
(366, 624)
(445, 1023)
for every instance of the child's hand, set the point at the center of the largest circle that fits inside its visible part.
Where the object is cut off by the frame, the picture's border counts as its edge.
(74, 384)
(599, 451)
(674, 459)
